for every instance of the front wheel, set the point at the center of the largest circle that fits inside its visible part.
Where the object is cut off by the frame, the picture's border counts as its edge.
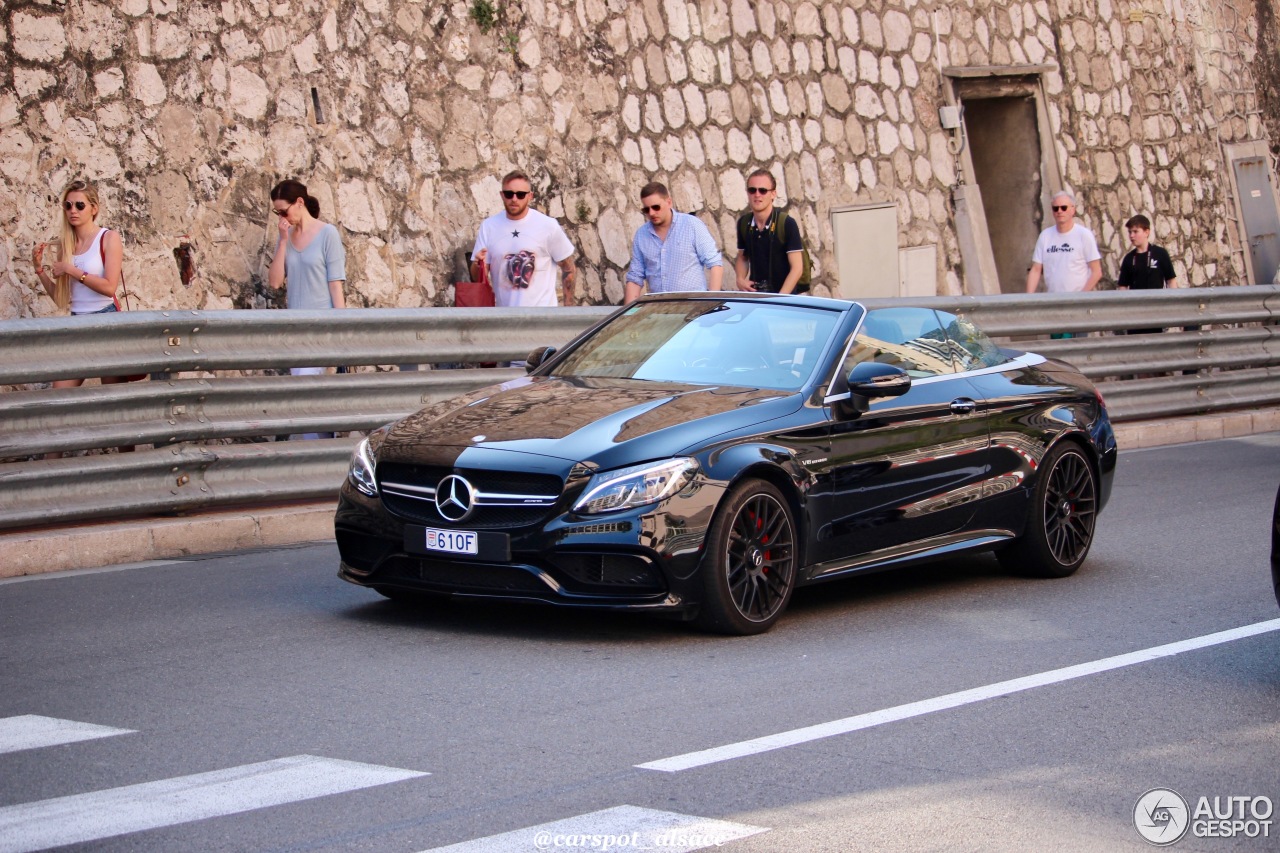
(1061, 522)
(749, 570)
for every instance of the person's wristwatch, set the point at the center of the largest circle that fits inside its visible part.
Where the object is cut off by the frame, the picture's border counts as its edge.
(83, 275)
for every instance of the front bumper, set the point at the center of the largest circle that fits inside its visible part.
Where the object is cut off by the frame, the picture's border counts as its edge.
(644, 559)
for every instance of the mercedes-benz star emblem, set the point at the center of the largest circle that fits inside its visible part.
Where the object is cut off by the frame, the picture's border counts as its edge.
(455, 498)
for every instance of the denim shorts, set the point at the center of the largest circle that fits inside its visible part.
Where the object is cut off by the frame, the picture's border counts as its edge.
(110, 309)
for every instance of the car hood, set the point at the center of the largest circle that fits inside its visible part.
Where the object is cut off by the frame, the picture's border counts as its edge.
(605, 421)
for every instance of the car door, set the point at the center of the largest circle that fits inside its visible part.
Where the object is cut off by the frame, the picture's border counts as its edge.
(1026, 404)
(910, 467)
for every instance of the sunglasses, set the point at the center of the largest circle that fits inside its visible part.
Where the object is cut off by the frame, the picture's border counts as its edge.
(78, 205)
(1058, 207)
(520, 194)
(646, 208)
(758, 190)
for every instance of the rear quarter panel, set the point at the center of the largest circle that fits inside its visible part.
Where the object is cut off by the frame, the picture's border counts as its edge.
(1029, 410)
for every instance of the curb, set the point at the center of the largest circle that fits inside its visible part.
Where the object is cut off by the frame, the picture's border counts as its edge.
(111, 543)
(1135, 435)
(114, 542)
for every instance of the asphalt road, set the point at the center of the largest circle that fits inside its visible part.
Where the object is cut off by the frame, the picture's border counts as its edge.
(432, 728)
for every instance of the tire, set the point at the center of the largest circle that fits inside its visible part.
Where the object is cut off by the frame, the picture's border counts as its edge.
(749, 569)
(1060, 523)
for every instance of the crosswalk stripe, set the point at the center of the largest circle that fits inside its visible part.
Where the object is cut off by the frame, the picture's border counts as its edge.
(150, 805)
(620, 828)
(948, 701)
(32, 731)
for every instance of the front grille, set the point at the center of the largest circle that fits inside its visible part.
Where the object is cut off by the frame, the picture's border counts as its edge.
(463, 577)
(606, 527)
(509, 482)
(480, 577)
(422, 509)
(622, 572)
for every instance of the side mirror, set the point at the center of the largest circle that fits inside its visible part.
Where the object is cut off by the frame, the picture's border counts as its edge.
(537, 357)
(868, 381)
(871, 379)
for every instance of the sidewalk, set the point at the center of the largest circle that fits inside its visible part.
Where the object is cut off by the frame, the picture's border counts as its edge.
(108, 543)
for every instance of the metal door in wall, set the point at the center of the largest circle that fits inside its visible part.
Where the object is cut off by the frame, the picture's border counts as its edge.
(1004, 145)
(1261, 220)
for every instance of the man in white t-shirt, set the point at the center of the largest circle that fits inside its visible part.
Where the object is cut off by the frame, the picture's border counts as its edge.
(1067, 253)
(522, 248)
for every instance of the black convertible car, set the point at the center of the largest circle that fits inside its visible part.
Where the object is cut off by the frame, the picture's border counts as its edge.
(705, 454)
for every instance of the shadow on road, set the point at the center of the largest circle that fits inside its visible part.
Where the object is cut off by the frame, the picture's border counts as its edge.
(839, 600)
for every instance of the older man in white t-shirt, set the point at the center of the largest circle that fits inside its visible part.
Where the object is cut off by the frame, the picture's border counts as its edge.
(1067, 253)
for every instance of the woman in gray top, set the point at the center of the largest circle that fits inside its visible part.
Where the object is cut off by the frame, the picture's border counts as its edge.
(309, 253)
(309, 259)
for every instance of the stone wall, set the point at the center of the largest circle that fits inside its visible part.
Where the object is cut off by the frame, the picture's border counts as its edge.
(401, 115)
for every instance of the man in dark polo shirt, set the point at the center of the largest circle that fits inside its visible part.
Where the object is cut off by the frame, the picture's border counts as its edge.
(1147, 266)
(771, 256)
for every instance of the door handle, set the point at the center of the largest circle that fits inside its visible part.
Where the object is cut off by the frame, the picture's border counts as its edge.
(963, 406)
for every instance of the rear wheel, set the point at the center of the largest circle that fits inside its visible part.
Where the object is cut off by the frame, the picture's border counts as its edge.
(1061, 522)
(749, 570)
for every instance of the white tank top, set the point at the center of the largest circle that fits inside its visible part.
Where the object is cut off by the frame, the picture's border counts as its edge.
(84, 299)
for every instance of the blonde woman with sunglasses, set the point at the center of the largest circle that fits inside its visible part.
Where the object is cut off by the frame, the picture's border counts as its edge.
(86, 274)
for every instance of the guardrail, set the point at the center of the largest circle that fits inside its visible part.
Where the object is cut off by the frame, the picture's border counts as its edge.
(212, 432)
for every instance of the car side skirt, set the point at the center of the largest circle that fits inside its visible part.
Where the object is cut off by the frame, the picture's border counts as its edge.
(902, 555)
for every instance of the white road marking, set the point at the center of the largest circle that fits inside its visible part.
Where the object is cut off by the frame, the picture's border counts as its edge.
(31, 731)
(951, 700)
(619, 828)
(150, 805)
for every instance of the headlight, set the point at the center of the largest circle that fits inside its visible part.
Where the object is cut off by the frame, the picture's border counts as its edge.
(360, 472)
(639, 485)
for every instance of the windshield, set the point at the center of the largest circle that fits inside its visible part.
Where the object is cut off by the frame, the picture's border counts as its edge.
(761, 345)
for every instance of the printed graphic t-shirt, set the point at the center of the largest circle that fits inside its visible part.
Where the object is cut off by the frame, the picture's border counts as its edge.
(522, 258)
(1147, 270)
(1066, 257)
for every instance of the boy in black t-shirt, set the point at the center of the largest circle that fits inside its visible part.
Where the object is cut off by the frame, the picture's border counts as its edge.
(771, 256)
(1147, 266)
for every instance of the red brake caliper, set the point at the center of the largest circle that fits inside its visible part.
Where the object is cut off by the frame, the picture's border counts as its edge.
(764, 540)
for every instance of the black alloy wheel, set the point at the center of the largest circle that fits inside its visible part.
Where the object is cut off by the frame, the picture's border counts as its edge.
(1061, 523)
(749, 571)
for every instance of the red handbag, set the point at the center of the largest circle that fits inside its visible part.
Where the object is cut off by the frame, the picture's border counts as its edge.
(474, 294)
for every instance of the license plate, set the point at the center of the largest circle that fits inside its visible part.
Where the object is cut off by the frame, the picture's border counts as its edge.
(451, 541)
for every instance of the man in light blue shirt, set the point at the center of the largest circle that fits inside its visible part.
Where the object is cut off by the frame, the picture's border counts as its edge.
(672, 251)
